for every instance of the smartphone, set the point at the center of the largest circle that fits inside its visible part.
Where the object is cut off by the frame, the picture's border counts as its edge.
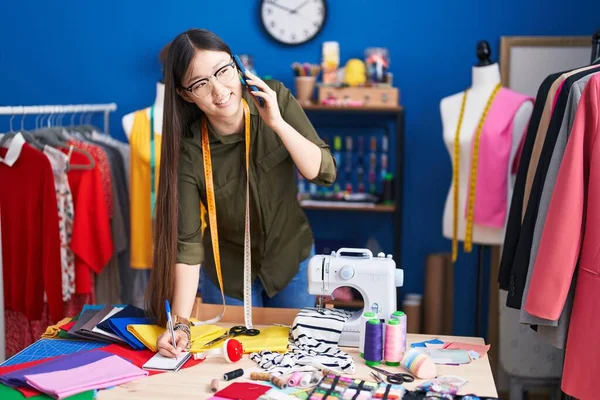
(242, 70)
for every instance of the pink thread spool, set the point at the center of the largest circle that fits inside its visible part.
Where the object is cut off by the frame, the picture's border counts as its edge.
(295, 379)
(392, 351)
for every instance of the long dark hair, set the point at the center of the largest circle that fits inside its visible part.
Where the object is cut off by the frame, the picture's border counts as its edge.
(178, 115)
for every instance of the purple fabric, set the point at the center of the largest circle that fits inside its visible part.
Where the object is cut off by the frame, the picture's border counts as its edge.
(17, 378)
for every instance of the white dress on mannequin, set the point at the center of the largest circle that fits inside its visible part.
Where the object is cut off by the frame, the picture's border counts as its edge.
(484, 80)
(159, 102)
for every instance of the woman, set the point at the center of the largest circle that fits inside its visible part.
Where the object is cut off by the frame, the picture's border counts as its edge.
(203, 93)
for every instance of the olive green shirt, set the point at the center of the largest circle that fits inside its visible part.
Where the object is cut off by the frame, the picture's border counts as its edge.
(280, 234)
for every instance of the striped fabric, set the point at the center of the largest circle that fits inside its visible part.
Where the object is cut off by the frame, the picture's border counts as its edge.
(314, 343)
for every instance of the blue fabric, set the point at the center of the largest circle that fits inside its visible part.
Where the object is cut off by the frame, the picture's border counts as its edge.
(119, 328)
(294, 295)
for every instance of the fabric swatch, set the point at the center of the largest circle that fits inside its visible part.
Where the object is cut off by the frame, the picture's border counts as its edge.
(316, 334)
(53, 330)
(101, 374)
(8, 393)
(118, 326)
(128, 312)
(17, 378)
(479, 348)
(243, 391)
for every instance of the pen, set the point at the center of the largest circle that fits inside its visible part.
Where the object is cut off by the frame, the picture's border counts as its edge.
(170, 324)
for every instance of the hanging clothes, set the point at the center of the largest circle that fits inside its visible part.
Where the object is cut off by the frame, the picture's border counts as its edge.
(30, 231)
(569, 246)
(554, 331)
(64, 198)
(517, 250)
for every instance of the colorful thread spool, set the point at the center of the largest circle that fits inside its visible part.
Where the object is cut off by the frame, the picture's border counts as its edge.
(373, 342)
(420, 364)
(401, 316)
(363, 322)
(294, 379)
(392, 351)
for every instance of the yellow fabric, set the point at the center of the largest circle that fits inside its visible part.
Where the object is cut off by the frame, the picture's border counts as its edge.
(274, 338)
(53, 330)
(141, 221)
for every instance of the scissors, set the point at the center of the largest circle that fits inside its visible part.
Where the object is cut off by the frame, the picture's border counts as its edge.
(233, 332)
(397, 378)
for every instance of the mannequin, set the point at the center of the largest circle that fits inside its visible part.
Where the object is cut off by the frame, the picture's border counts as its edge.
(485, 77)
(158, 112)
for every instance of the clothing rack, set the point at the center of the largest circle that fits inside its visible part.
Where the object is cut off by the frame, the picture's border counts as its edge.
(63, 109)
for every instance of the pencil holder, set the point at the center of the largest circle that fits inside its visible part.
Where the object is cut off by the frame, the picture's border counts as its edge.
(305, 86)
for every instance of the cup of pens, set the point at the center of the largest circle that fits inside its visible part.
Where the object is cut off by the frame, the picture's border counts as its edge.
(305, 80)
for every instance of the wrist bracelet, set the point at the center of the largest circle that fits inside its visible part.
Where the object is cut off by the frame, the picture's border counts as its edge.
(186, 329)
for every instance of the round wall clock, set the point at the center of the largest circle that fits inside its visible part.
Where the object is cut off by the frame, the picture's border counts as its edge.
(293, 22)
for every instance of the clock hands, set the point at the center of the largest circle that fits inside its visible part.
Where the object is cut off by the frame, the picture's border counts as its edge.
(273, 3)
(300, 6)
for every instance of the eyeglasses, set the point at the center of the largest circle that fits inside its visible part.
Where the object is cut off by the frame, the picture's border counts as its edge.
(202, 87)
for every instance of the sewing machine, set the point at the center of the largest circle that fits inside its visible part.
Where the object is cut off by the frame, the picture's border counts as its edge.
(376, 278)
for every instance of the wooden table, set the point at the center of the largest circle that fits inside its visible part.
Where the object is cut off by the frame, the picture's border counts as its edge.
(192, 383)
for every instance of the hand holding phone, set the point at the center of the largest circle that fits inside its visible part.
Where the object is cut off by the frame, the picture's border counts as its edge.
(242, 70)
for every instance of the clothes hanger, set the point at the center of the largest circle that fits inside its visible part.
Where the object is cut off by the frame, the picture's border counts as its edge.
(29, 138)
(92, 162)
(10, 134)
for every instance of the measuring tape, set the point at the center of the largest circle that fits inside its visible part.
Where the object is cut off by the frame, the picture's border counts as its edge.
(152, 165)
(468, 246)
(212, 218)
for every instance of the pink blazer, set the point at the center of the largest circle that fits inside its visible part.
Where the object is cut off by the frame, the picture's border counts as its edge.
(571, 238)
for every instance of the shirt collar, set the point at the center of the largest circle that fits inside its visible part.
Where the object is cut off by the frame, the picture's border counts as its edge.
(14, 150)
(225, 139)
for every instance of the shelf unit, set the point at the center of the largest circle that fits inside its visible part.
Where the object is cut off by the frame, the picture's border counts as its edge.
(396, 112)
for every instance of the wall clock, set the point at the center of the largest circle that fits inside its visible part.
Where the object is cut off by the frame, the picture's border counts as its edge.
(293, 22)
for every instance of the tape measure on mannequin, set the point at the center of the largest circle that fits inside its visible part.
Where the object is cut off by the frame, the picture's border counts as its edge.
(468, 246)
(152, 165)
(212, 219)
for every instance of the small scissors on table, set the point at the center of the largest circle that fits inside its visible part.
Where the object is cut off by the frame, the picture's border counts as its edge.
(233, 332)
(397, 378)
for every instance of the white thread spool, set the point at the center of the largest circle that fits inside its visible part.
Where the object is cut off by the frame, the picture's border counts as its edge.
(363, 321)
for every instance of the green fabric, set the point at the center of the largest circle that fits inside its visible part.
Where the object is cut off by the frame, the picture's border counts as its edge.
(280, 234)
(64, 334)
(8, 393)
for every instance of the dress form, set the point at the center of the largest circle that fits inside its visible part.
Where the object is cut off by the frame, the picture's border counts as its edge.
(159, 102)
(485, 77)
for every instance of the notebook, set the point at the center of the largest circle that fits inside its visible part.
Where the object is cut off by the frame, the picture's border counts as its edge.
(161, 363)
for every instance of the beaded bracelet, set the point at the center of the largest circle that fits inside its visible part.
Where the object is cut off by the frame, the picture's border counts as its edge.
(186, 329)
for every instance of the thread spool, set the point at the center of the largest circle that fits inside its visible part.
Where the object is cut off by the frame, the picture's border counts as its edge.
(214, 385)
(231, 350)
(363, 322)
(420, 364)
(294, 379)
(233, 374)
(327, 371)
(279, 382)
(305, 381)
(316, 377)
(373, 342)
(401, 316)
(392, 351)
(260, 376)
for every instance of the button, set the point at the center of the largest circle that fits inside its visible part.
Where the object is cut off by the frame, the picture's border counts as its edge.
(381, 254)
(347, 272)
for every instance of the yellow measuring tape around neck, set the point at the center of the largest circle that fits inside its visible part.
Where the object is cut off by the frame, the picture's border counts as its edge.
(212, 217)
(468, 246)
